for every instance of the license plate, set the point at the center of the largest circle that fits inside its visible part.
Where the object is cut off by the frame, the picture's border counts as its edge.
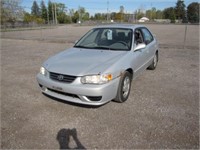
(57, 88)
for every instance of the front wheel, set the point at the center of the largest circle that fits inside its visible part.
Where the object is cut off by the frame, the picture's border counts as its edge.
(124, 88)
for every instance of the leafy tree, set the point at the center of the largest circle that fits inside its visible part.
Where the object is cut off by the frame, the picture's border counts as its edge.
(193, 12)
(101, 16)
(11, 11)
(63, 18)
(50, 8)
(113, 15)
(139, 14)
(159, 14)
(119, 16)
(43, 11)
(80, 15)
(148, 14)
(104, 16)
(39, 20)
(92, 18)
(86, 16)
(75, 17)
(71, 12)
(35, 10)
(60, 7)
(151, 13)
(180, 9)
(28, 18)
(168, 12)
(173, 17)
(83, 14)
(98, 16)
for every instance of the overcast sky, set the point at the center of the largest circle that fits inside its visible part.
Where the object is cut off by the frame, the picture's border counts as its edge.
(95, 6)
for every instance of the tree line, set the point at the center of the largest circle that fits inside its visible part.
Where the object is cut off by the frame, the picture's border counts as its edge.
(54, 13)
(179, 12)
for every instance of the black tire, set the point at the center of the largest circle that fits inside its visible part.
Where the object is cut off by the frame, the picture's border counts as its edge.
(124, 90)
(154, 62)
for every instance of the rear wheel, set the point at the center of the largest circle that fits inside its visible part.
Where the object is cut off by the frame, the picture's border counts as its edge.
(154, 62)
(124, 87)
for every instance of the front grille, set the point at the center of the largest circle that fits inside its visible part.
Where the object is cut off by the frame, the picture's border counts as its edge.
(62, 77)
(94, 98)
(63, 93)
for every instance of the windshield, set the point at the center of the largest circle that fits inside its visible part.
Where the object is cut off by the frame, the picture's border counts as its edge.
(107, 39)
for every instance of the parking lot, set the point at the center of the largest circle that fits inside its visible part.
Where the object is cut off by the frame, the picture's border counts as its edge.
(162, 110)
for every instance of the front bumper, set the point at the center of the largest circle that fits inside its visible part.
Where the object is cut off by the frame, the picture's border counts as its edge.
(77, 92)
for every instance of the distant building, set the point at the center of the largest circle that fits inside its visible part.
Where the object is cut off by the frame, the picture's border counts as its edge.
(143, 19)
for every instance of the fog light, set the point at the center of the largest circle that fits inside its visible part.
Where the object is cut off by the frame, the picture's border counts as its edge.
(44, 88)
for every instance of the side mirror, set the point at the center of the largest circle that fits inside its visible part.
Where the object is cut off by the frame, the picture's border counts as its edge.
(140, 46)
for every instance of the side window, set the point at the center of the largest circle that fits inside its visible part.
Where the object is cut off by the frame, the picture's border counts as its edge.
(148, 38)
(138, 37)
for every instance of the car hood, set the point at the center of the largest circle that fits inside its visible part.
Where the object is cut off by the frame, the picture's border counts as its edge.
(80, 62)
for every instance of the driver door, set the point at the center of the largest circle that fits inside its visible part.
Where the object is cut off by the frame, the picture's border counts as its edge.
(140, 56)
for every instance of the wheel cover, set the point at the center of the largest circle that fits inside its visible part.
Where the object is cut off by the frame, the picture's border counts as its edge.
(126, 87)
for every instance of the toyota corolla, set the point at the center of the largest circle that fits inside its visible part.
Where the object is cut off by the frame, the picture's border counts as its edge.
(101, 65)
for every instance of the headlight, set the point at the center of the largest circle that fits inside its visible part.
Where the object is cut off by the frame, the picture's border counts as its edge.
(43, 71)
(96, 79)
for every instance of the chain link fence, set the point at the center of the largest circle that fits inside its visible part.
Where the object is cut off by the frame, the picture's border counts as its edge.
(168, 35)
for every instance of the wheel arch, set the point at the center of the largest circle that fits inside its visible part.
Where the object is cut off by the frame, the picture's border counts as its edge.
(157, 54)
(130, 70)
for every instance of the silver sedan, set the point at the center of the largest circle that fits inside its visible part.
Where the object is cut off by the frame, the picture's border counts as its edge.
(101, 65)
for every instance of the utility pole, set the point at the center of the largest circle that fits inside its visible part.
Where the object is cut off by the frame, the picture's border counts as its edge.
(55, 13)
(48, 15)
(151, 12)
(79, 15)
(136, 16)
(107, 10)
(52, 13)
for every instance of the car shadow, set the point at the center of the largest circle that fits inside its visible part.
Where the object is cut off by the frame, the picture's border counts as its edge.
(73, 104)
(63, 138)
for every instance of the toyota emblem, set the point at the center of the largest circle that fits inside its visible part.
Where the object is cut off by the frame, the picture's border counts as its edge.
(60, 77)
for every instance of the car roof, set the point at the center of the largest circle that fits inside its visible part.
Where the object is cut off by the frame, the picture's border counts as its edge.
(126, 26)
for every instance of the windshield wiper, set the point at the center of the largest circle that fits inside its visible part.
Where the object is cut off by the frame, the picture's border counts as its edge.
(101, 47)
(116, 49)
(79, 46)
(108, 48)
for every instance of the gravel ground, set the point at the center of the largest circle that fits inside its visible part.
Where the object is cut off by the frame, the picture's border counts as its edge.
(161, 112)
